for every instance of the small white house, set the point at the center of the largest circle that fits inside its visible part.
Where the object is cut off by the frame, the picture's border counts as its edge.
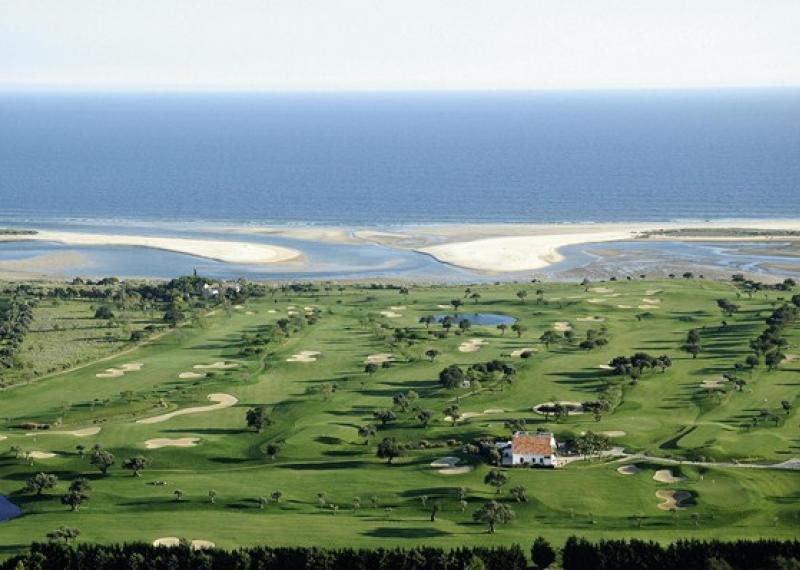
(526, 448)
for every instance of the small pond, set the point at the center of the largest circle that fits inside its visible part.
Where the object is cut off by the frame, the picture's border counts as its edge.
(480, 319)
(8, 510)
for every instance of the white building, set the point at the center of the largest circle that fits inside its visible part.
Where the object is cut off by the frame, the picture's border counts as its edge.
(525, 448)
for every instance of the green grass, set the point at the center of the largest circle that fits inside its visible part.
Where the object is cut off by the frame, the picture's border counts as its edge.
(665, 415)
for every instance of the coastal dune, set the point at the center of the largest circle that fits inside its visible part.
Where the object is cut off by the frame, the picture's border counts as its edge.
(218, 250)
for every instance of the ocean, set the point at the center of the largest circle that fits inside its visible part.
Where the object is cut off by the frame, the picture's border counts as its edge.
(400, 158)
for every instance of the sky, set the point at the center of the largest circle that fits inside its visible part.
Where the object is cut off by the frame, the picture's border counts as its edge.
(398, 44)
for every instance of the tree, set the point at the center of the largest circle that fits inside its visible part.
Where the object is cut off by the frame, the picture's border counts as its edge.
(63, 534)
(389, 449)
(496, 478)
(102, 459)
(475, 297)
(453, 413)
(366, 432)
(104, 312)
(273, 449)
(452, 377)
(370, 368)
(276, 496)
(432, 353)
(136, 464)
(519, 493)
(384, 416)
(522, 295)
(178, 495)
(456, 303)
(424, 417)
(258, 418)
(212, 496)
(493, 513)
(502, 328)
(401, 401)
(773, 359)
(41, 482)
(77, 494)
(427, 320)
(434, 511)
(464, 325)
(542, 554)
(550, 337)
(519, 329)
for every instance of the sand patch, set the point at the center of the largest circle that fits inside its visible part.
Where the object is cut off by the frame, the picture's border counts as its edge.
(461, 470)
(249, 313)
(791, 358)
(83, 432)
(173, 541)
(2, 437)
(292, 313)
(562, 326)
(445, 462)
(472, 345)
(624, 307)
(41, 455)
(601, 290)
(272, 311)
(672, 499)
(653, 291)
(591, 319)
(160, 442)
(202, 544)
(379, 358)
(390, 314)
(573, 408)
(189, 375)
(494, 411)
(666, 476)
(595, 300)
(222, 401)
(520, 351)
(647, 307)
(628, 470)
(397, 307)
(304, 356)
(651, 301)
(612, 433)
(443, 306)
(121, 371)
(219, 365)
(605, 367)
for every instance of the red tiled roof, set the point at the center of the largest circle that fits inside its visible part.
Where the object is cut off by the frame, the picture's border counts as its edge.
(531, 444)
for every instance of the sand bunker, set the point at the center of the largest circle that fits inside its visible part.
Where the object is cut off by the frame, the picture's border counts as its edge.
(83, 432)
(520, 351)
(612, 433)
(456, 470)
(714, 383)
(647, 307)
(494, 411)
(219, 365)
(651, 301)
(601, 290)
(41, 455)
(472, 345)
(443, 306)
(222, 401)
(653, 291)
(672, 499)
(273, 311)
(628, 470)
(390, 314)
(666, 476)
(605, 367)
(445, 462)
(572, 407)
(791, 358)
(121, 371)
(624, 307)
(173, 541)
(595, 300)
(304, 356)
(2, 437)
(398, 307)
(292, 313)
(187, 375)
(238, 307)
(379, 358)
(591, 319)
(167, 442)
(562, 326)
(249, 313)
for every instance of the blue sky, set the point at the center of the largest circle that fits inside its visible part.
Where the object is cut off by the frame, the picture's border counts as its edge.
(398, 44)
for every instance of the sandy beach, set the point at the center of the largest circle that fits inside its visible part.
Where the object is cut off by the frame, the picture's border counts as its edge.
(219, 250)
